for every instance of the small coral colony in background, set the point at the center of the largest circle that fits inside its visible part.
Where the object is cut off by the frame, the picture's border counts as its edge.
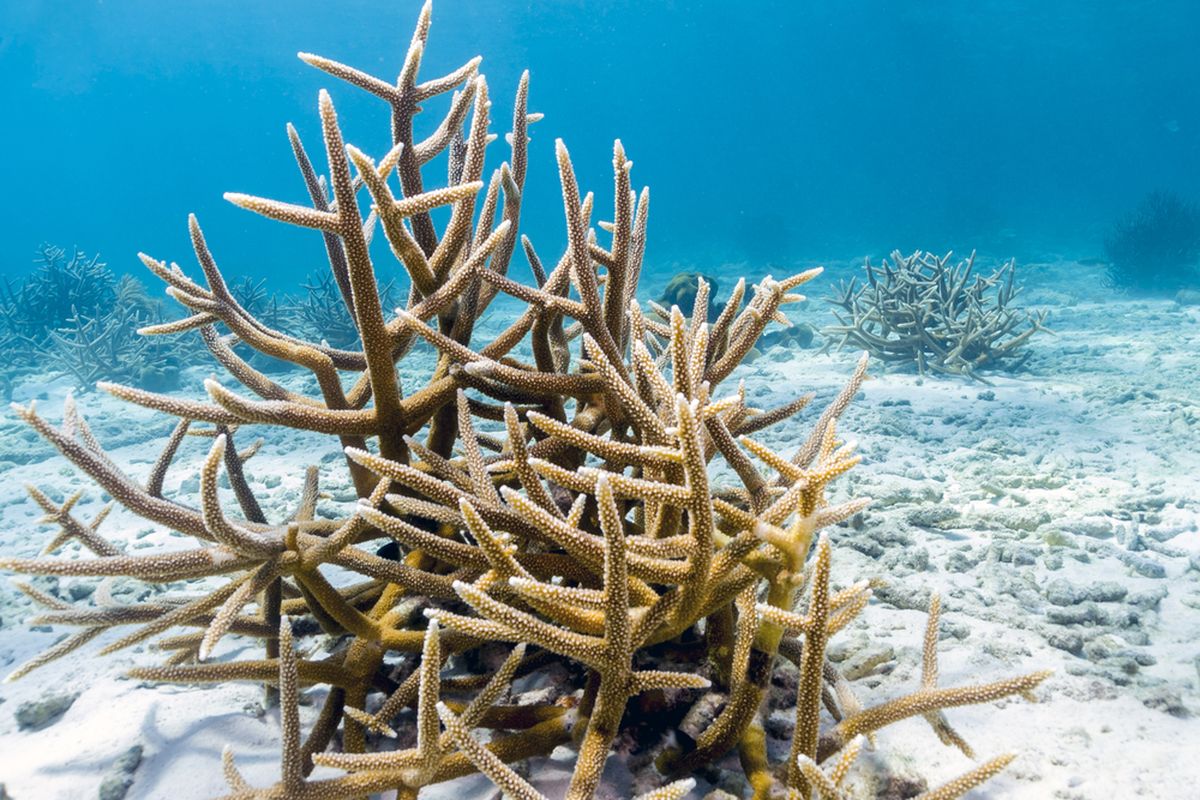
(549, 492)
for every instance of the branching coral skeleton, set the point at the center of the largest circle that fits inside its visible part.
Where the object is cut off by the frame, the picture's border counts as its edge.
(562, 504)
(943, 317)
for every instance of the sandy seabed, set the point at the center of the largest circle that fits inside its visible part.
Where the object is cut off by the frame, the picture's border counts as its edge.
(1055, 511)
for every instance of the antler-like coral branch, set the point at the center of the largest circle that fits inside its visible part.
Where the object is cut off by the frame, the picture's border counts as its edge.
(577, 484)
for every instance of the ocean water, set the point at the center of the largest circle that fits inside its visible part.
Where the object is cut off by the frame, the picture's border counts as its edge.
(1048, 497)
(768, 132)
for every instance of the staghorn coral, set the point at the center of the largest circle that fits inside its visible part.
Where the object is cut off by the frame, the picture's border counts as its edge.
(560, 501)
(923, 310)
(59, 289)
(323, 313)
(59, 285)
(72, 316)
(106, 345)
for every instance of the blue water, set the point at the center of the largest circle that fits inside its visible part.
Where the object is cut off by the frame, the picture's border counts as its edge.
(769, 132)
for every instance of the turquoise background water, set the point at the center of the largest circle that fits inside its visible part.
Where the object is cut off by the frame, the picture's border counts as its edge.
(768, 132)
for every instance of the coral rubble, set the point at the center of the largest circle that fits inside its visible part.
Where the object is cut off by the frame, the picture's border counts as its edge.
(561, 501)
(942, 317)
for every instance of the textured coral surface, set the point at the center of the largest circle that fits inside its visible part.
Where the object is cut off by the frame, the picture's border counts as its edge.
(553, 545)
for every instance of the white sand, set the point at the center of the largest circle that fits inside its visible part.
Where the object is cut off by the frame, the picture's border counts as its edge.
(1102, 424)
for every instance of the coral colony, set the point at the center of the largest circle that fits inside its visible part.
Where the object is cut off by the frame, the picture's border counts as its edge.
(556, 507)
(943, 318)
(73, 316)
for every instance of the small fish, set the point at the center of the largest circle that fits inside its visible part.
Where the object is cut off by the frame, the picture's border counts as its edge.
(1172, 126)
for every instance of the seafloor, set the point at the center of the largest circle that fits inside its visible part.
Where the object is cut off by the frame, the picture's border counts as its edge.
(1055, 511)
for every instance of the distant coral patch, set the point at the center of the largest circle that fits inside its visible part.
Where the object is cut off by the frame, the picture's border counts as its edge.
(1155, 249)
(940, 316)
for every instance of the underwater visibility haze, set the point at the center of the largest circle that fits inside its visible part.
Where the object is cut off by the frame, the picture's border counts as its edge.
(599, 400)
(825, 130)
